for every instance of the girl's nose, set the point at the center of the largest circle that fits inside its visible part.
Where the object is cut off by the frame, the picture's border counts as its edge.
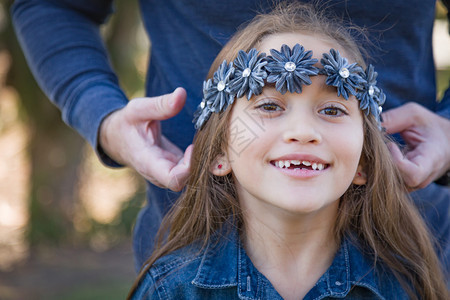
(302, 129)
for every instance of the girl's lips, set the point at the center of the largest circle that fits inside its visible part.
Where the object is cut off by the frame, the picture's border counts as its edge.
(301, 172)
(301, 157)
(300, 165)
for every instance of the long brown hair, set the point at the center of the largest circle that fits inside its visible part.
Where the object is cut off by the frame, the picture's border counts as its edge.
(380, 212)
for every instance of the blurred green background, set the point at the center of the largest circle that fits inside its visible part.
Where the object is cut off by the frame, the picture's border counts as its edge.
(66, 220)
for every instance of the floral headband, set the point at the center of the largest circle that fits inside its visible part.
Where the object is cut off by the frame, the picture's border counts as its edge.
(289, 69)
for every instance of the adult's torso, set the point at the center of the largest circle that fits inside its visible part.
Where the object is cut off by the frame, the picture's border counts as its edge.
(186, 36)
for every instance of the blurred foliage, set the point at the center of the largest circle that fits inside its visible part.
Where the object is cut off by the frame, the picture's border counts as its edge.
(441, 11)
(122, 225)
(443, 82)
(117, 291)
(125, 46)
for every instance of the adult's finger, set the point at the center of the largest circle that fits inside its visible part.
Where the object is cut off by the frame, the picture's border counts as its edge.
(413, 166)
(171, 147)
(399, 119)
(158, 108)
(160, 169)
(180, 173)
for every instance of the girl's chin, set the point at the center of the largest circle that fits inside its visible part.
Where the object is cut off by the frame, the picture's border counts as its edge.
(296, 209)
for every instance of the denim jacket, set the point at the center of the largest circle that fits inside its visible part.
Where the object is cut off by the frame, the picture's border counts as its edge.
(222, 270)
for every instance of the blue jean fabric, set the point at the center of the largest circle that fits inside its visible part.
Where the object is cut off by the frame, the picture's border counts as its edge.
(433, 203)
(224, 271)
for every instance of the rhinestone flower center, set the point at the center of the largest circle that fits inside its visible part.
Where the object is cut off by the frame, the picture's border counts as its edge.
(344, 72)
(290, 66)
(246, 72)
(221, 86)
(371, 91)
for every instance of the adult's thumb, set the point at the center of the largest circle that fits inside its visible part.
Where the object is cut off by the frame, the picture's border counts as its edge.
(397, 119)
(160, 107)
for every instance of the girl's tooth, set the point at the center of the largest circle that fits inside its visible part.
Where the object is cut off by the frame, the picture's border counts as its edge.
(288, 163)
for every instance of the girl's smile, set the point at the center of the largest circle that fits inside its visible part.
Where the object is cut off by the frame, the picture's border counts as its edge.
(300, 165)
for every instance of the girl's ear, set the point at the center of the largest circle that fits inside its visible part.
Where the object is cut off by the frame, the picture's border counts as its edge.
(221, 166)
(360, 176)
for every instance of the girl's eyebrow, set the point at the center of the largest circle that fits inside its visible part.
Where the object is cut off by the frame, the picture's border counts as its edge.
(268, 90)
(328, 88)
(270, 85)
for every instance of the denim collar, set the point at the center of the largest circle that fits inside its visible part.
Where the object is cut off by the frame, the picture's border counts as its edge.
(225, 264)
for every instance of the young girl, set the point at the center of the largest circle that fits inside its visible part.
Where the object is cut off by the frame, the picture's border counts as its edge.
(292, 192)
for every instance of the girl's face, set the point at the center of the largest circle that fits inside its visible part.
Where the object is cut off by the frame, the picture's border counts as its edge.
(295, 153)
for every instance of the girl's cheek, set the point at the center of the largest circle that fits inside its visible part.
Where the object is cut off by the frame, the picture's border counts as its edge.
(241, 135)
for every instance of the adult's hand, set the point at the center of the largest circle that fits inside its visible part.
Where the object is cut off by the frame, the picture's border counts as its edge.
(427, 136)
(132, 136)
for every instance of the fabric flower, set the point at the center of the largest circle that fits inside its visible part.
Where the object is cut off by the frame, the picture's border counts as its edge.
(345, 77)
(290, 69)
(216, 92)
(249, 74)
(201, 115)
(370, 96)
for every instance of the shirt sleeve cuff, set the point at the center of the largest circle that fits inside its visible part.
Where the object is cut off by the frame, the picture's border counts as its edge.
(93, 105)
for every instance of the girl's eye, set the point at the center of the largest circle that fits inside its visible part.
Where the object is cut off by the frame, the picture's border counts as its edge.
(333, 111)
(269, 107)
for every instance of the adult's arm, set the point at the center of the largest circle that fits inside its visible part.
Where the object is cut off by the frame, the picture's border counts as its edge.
(63, 46)
(64, 49)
